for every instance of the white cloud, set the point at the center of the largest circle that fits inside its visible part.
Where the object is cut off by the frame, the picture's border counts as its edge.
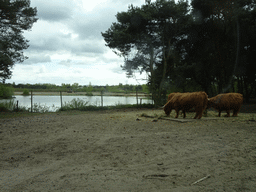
(54, 11)
(66, 45)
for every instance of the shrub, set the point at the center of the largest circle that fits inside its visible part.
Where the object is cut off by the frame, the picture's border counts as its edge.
(74, 104)
(25, 92)
(7, 106)
(5, 91)
(11, 106)
(89, 94)
(38, 108)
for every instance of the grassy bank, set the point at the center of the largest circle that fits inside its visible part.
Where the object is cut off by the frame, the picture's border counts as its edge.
(73, 105)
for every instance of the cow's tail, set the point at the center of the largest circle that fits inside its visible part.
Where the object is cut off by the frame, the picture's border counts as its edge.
(162, 107)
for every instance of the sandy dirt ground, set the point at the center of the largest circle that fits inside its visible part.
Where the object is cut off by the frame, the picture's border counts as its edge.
(120, 150)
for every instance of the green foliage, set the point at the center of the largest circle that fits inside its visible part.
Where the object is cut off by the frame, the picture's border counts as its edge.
(7, 106)
(150, 31)
(16, 17)
(6, 91)
(74, 104)
(79, 88)
(115, 89)
(10, 106)
(89, 94)
(38, 108)
(25, 92)
(145, 89)
(89, 88)
(77, 104)
(213, 45)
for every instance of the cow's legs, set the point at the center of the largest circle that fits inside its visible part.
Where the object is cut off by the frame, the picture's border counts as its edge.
(219, 113)
(228, 113)
(177, 113)
(184, 113)
(199, 113)
(235, 112)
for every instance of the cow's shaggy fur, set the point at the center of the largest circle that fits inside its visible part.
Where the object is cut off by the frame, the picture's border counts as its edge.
(186, 101)
(226, 102)
(171, 95)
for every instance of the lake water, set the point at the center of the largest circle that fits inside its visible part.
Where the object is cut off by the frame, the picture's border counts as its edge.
(51, 101)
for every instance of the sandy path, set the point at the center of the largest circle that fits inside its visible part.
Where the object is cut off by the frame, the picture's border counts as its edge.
(112, 151)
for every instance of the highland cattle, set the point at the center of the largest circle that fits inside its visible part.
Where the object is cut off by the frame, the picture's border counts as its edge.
(226, 102)
(171, 95)
(186, 101)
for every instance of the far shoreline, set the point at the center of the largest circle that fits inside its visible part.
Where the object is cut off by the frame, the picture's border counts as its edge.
(64, 93)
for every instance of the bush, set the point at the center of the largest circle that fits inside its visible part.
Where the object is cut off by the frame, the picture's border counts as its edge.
(5, 91)
(7, 106)
(11, 106)
(74, 104)
(38, 108)
(89, 94)
(25, 92)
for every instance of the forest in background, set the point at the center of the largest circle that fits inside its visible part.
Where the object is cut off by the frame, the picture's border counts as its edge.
(7, 90)
(206, 45)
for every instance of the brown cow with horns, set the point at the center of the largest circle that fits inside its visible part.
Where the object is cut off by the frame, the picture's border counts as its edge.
(186, 101)
(226, 102)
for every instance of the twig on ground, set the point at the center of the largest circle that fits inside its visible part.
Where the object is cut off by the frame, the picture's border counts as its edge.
(201, 179)
(155, 176)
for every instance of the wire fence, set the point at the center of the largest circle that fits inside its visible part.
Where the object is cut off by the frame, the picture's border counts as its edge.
(139, 101)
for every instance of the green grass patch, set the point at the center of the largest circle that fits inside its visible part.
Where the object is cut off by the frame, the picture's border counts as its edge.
(81, 105)
(89, 94)
(10, 106)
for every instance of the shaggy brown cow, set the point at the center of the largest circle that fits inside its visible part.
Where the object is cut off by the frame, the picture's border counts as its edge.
(186, 101)
(226, 102)
(171, 95)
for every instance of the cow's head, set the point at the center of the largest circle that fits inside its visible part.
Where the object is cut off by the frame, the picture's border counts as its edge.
(210, 103)
(168, 108)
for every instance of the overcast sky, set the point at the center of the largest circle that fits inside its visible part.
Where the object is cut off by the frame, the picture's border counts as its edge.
(66, 45)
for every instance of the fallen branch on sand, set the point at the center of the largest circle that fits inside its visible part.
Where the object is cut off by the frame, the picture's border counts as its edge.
(148, 116)
(155, 176)
(201, 179)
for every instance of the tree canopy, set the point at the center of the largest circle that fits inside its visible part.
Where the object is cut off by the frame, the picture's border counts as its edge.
(145, 37)
(15, 17)
(209, 45)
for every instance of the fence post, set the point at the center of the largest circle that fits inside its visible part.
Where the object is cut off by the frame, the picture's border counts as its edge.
(101, 98)
(31, 101)
(17, 105)
(137, 97)
(60, 100)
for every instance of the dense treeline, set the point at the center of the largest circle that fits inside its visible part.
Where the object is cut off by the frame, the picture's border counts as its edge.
(207, 45)
(7, 90)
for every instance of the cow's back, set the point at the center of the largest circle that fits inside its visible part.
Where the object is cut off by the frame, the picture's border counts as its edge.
(194, 99)
(170, 96)
(226, 101)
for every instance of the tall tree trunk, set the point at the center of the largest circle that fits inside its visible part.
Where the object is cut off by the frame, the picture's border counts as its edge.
(237, 46)
(246, 89)
(239, 86)
(242, 85)
(166, 55)
(152, 75)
